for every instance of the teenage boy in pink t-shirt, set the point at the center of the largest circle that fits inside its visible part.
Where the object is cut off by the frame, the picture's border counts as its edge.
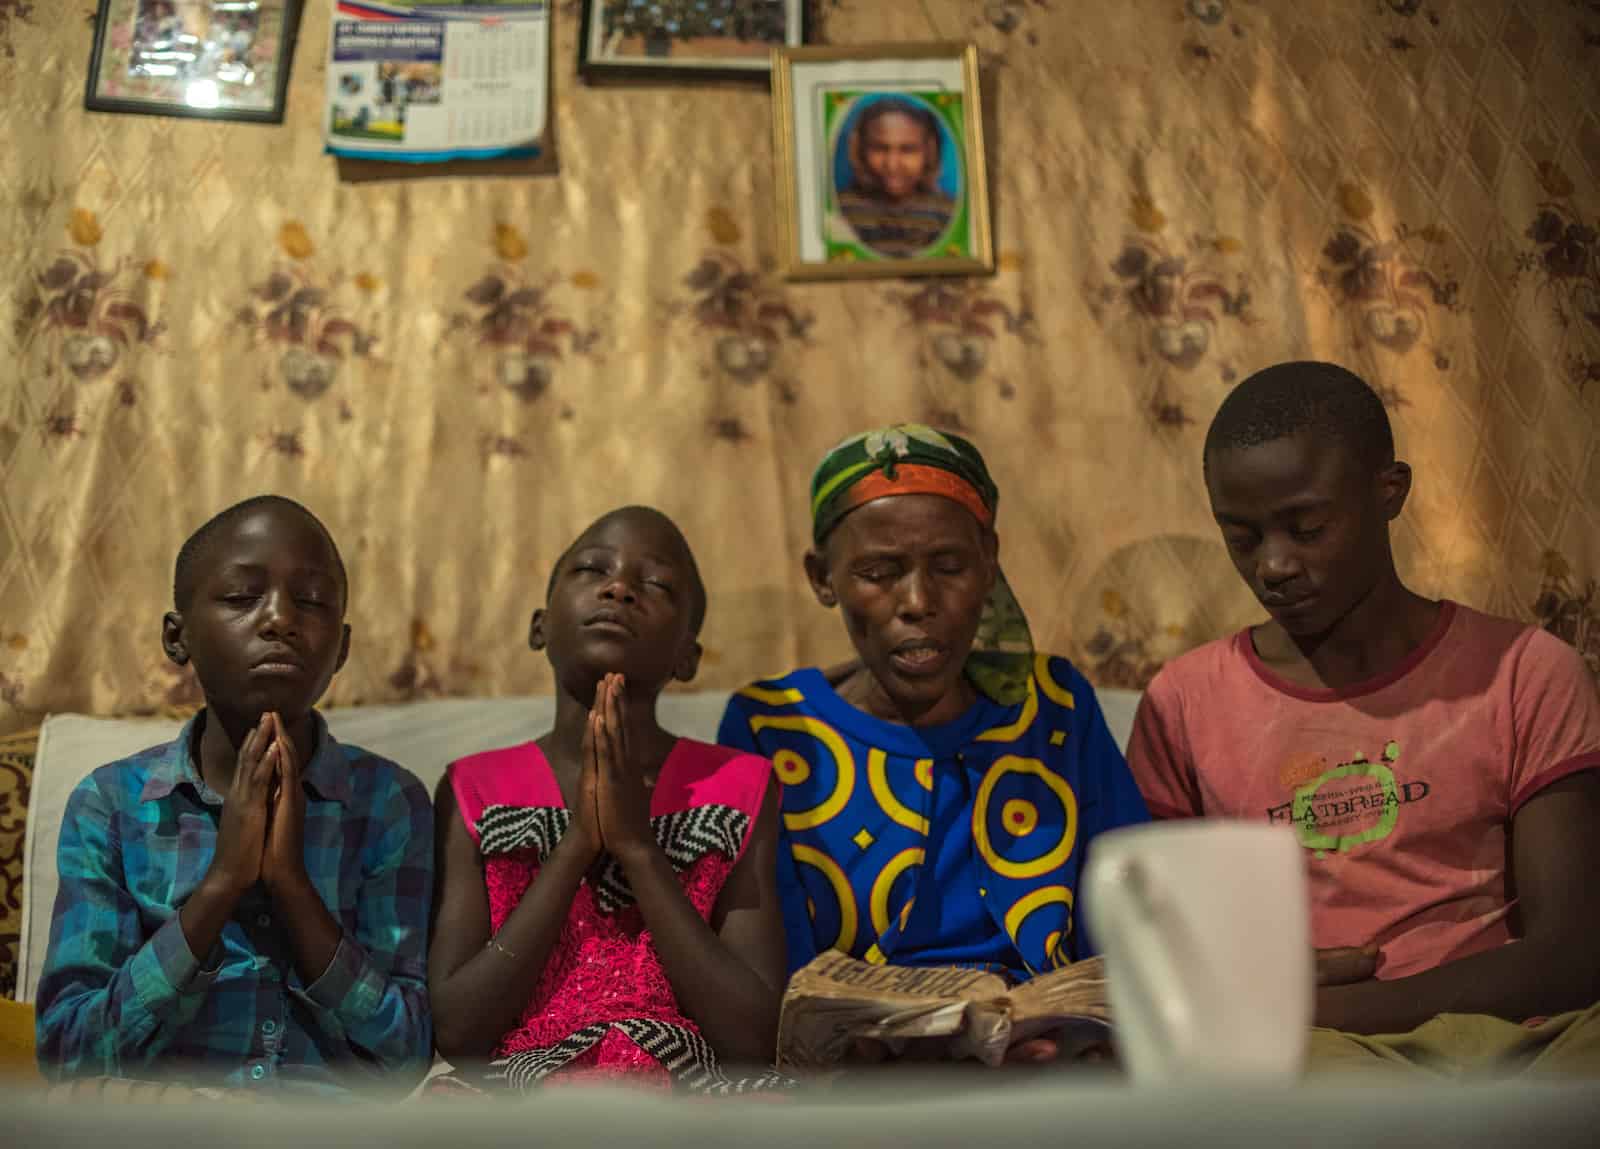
(1441, 767)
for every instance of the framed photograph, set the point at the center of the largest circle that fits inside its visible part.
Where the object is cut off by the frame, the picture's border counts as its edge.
(210, 59)
(880, 161)
(683, 39)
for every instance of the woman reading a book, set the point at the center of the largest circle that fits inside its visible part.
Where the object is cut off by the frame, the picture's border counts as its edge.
(941, 788)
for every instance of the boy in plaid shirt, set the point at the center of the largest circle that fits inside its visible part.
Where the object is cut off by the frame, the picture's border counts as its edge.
(248, 905)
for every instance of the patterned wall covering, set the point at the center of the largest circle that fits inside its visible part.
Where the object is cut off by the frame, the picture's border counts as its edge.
(458, 373)
(16, 775)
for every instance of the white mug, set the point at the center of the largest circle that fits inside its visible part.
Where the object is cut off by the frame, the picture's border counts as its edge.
(1206, 931)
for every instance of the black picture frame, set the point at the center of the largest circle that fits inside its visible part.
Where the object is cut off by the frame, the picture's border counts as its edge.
(113, 85)
(657, 69)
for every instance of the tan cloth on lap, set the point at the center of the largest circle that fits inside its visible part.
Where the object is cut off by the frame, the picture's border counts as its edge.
(1465, 1045)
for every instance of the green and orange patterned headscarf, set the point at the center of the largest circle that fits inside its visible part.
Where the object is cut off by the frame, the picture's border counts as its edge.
(911, 459)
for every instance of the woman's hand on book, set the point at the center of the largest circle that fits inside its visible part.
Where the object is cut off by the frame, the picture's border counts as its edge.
(1033, 1051)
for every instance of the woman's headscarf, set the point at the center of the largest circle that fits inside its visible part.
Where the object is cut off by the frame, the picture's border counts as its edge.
(911, 459)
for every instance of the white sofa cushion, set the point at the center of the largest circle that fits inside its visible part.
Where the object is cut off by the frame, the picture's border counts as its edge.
(424, 737)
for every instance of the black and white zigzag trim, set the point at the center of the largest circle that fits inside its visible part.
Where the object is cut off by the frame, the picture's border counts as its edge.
(681, 1051)
(523, 1071)
(502, 829)
(685, 837)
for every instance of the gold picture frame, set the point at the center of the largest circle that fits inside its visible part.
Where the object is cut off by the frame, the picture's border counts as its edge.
(881, 165)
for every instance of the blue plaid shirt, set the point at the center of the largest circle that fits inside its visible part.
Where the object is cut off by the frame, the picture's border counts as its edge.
(122, 995)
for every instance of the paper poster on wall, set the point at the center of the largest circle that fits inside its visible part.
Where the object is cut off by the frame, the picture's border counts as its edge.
(428, 83)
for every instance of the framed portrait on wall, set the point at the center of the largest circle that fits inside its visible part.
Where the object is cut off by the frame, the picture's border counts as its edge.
(211, 59)
(880, 161)
(686, 39)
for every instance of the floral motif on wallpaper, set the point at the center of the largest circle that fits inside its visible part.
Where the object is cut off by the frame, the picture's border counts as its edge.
(1178, 300)
(743, 313)
(12, 12)
(1569, 608)
(1118, 654)
(92, 318)
(514, 317)
(293, 312)
(418, 675)
(1380, 282)
(960, 320)
(16, 781)
(1563, 261)
(1010, 16)
(1199, 50)
(86, 308)
(11, 686)
(1139, 609)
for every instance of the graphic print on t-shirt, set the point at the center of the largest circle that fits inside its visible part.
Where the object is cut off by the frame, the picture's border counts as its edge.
(1356, 802)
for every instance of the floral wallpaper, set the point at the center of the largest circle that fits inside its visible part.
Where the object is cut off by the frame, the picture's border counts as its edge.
(458, 373)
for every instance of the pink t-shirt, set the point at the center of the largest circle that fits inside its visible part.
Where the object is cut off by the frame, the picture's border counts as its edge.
(1402, 789)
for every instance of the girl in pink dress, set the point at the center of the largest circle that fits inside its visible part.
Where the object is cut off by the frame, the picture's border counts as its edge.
(606, 897)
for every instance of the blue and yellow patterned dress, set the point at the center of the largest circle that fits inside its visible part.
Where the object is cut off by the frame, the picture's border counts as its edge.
(957, 844)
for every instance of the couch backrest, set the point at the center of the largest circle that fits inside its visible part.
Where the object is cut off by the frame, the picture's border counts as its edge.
(423, 736)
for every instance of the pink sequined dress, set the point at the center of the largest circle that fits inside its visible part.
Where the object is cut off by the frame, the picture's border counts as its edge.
(603, 1005)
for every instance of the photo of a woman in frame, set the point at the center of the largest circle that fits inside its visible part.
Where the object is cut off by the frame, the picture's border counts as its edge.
(893, 189)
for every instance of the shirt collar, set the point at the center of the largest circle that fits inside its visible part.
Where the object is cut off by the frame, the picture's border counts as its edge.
(327, 774)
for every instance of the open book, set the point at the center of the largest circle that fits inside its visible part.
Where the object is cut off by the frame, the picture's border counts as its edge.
(836, 1001)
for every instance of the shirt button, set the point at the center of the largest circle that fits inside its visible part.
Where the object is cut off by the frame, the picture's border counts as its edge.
(257, 1072)
(269, 1027)
(263, 920)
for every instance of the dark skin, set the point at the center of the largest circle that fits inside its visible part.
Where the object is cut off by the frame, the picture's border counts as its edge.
(897, 151)
(617, 628)
(1307, 526)
(264, 629)
(909, 574)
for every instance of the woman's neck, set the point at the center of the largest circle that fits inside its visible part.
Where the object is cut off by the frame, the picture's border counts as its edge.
(860, 688)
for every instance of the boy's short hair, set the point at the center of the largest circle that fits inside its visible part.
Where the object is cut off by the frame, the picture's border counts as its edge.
(194, 547)
(1288, 398)
(697, 586)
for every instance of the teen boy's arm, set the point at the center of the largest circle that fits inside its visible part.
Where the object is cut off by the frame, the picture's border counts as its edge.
(1553, 793)
(1552, 968)
(373, 994)
(110, 999)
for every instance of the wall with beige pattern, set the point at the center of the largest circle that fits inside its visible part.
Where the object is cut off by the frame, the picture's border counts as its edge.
(457, 374)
